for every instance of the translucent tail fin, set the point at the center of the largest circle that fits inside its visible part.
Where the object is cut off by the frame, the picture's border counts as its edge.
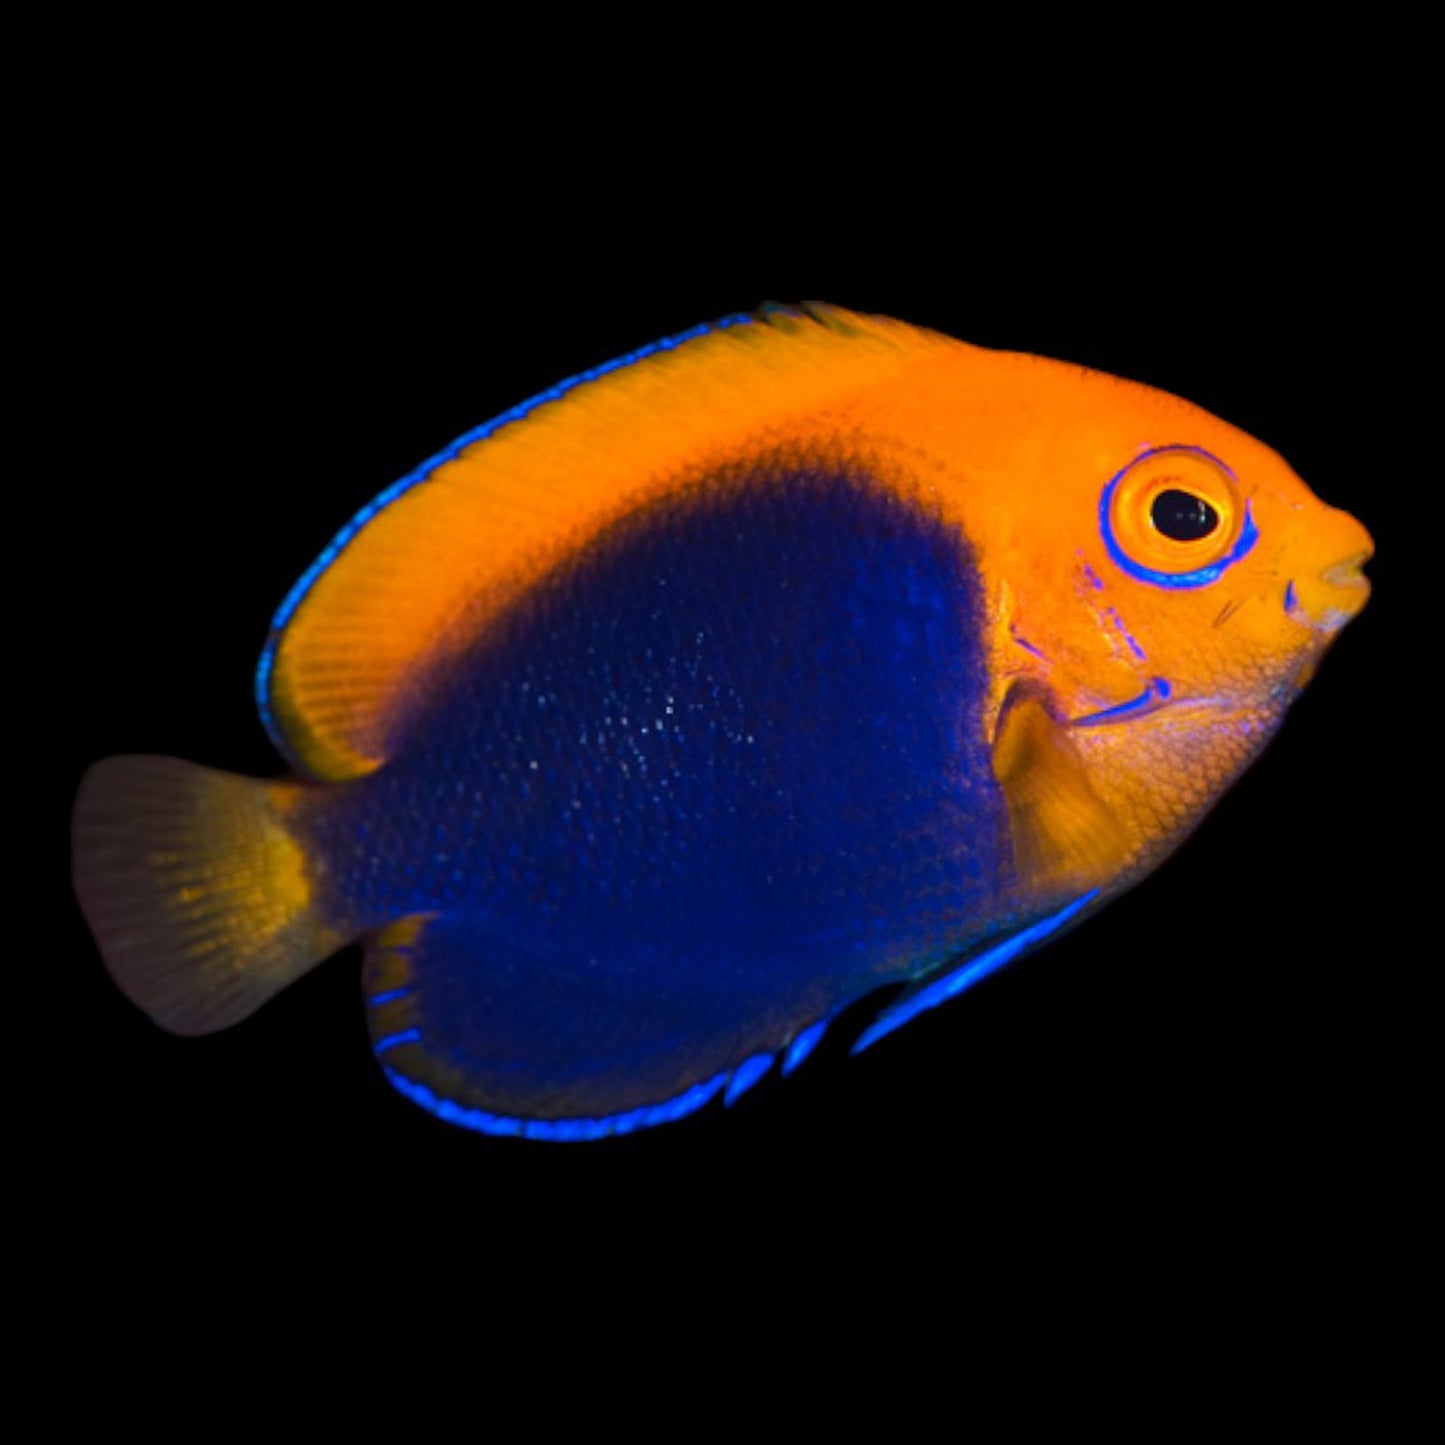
(197, 893)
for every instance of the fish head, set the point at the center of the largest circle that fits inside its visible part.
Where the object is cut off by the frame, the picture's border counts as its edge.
(1170, 588)
(1234, 576)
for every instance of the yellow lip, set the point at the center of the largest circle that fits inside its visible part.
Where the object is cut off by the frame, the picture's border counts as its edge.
(1336, 593)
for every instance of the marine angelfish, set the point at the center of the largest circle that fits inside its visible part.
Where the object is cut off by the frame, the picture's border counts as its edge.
(648, 726)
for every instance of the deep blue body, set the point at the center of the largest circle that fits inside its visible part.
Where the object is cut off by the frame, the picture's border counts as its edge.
(724, 773)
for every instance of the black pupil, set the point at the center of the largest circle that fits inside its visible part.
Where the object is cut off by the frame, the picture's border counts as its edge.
(1183, 516)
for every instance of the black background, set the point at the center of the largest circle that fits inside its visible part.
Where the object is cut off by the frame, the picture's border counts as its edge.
(245, 353)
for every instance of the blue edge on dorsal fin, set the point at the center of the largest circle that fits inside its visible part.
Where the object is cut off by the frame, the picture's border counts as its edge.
(733, 1083)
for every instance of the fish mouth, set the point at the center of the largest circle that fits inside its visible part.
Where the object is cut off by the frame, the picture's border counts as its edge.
(1335, 597)
(1327, 598)
(1349, 574)
(1325, 619)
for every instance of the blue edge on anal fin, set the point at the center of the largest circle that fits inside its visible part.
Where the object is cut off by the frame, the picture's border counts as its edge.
(733, 1083)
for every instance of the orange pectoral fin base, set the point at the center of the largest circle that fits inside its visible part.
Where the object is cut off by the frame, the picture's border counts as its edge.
(1065, 840)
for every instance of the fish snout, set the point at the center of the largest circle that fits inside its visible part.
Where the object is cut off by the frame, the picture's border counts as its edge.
(1328, 598)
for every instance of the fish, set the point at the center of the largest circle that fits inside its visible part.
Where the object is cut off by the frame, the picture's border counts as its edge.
(643, 731)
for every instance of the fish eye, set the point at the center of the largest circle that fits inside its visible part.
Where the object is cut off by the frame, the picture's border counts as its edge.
(1182, 516)
(1175, 517)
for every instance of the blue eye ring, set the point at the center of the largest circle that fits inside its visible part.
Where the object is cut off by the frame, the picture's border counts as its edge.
(1194, 577)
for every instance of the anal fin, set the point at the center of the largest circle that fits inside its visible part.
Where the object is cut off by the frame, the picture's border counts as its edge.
(504, 1039)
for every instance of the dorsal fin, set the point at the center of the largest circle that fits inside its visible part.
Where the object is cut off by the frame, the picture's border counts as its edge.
(415, 575)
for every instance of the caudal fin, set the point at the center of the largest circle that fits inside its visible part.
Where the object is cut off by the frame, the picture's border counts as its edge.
(198, 895)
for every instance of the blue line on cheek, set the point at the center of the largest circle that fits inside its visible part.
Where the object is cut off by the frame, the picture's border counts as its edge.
(1124, 632)
(1024, 642)
(1291, 601)
(1154, 696)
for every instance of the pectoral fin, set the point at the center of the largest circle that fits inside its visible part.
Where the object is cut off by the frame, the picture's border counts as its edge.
(1065, 839)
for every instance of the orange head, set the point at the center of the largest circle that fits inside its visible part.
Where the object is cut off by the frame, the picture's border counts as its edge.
(1158, 581)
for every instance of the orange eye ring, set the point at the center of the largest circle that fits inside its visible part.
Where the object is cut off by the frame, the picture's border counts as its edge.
(1215, 530)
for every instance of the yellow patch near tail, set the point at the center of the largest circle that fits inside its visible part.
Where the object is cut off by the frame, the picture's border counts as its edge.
(199, 896)
(1065, 839)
